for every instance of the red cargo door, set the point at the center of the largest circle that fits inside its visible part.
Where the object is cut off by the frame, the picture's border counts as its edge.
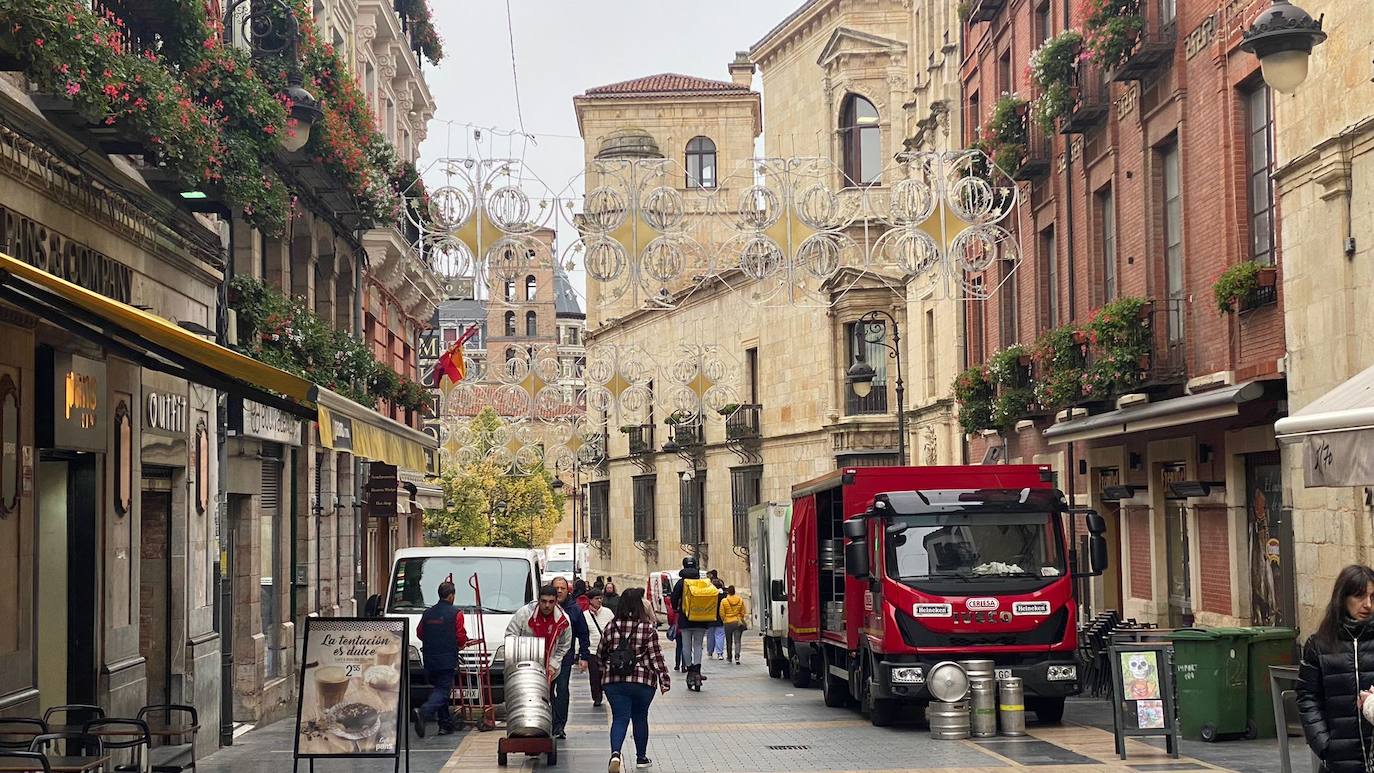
(803, 617)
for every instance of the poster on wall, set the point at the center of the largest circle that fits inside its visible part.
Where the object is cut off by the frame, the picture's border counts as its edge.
(1271, 542)
(353, 686)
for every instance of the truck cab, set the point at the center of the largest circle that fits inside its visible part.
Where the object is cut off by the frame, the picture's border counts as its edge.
(962, 563)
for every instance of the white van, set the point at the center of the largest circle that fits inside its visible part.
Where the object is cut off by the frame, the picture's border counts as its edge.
(658, 587)
(507, 577)
(559, 562)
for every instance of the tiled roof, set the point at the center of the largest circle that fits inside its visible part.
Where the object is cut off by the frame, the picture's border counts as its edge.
(665, 83)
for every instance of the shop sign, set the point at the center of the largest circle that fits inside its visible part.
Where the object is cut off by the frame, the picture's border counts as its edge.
(79, 410)
(263, 422)
(343, 433)
(43, 248)
(164, 412)
(383, 484)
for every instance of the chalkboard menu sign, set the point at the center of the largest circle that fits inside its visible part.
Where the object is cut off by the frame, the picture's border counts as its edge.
(1143, 698)
(354, 690)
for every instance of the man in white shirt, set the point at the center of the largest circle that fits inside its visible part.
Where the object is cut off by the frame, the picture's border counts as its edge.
(598, 618)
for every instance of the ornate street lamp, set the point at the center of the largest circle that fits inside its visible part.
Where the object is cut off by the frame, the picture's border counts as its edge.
(261, 27)
(1283, 37)
(860, 375)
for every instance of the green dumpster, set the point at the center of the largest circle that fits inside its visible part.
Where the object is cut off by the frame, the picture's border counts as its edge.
(1269, 646)
(1211, 666)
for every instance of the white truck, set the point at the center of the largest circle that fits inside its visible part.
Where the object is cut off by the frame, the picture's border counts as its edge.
(560, 561)
(769, 525)
(508, 579)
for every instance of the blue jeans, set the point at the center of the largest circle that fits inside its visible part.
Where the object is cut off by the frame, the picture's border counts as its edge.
(437, 705)
(715, 640)
(561, 688)
(630, 702)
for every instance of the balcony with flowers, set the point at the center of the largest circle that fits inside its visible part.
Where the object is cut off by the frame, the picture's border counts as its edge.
(1129, 39)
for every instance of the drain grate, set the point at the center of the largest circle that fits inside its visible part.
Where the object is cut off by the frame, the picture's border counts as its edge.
(787, 748)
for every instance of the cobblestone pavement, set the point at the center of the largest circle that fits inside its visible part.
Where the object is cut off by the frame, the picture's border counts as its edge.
(744, 722)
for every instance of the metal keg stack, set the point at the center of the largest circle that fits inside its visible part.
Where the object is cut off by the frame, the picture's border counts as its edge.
(982, 682)
(971, 701)
(948, 714)
(529, 714)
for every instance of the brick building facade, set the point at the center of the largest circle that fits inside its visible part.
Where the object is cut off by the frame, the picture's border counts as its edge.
(1153, 182)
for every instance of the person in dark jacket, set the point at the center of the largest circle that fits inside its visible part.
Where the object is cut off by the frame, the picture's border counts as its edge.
(576, 654)
(442, 633)
(1336, 674)
(692, 632)
(609, 597)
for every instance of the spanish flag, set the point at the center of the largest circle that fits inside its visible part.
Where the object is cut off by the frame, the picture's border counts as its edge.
(451, 365)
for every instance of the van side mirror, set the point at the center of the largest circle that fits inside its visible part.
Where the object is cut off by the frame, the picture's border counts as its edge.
(856, 559)
(778, 590)
(1096, 523)
(855, 528)
(1097, 547)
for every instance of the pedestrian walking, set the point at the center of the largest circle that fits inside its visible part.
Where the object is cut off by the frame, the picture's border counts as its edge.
(442, 633)
(634, 670)
(576, 654)
(1336, 674)
(579, 593)
(674, 634)
(698, 608)
(598, 618)
(734, 615)
(609, 597)
(715, 635)
(545, 619)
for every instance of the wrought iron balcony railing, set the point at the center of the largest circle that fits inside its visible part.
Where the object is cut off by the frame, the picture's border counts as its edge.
(1035, 160)
(1091, 99)
(685, 434)
(1153, 48)
(641, 439)
(745, 423)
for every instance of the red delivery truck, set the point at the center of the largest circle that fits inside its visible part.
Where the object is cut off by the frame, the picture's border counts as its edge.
(891, 570)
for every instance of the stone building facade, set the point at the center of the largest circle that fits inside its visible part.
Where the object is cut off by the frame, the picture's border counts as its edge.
(1154, 183)
(799, 418)
(1324, 171)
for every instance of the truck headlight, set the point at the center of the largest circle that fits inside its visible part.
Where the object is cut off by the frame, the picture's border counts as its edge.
(908, 675)
(1063, 673)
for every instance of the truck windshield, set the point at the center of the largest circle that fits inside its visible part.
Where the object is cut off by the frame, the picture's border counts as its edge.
(975, 545)
(505, 582)
(560, 566)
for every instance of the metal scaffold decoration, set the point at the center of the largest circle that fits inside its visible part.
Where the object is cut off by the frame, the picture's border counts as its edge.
(779, 231)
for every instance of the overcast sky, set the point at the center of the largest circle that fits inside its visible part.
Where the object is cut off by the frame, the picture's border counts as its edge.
(562, 49)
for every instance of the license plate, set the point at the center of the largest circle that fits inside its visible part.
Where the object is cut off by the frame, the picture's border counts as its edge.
(1002, 673)
(465, 694)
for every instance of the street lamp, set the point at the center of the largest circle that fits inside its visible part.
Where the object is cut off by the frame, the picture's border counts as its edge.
(1283, 37)
(860, 375)
(261, 26)
(491, 519)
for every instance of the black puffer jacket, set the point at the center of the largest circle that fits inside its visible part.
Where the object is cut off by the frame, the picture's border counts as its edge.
(1329, 684)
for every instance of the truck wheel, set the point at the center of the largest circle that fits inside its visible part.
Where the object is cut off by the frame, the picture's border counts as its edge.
(834, 691)
(801, 675)
(880, 712)
(1049, 711)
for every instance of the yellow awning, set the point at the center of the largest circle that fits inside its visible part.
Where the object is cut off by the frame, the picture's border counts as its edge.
(159, 333)
(348, 426)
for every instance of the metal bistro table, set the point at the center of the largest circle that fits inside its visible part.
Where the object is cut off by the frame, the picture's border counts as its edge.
(58, 764)
(1283, 679)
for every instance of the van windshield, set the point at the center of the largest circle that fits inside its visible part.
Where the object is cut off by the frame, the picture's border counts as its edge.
(975, 545)
(560, 566)
(505, 582)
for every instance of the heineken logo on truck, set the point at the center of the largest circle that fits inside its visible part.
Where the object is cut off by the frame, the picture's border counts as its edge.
(1030, 608)
(983, 603)
(931, 610)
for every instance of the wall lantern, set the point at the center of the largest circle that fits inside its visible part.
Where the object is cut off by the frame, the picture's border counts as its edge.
(273, 28)
(1282, 37)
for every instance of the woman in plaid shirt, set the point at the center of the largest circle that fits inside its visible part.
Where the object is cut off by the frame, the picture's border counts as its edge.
(632, 691)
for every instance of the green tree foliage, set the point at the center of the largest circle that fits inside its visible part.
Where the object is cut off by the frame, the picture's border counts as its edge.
(473, 494)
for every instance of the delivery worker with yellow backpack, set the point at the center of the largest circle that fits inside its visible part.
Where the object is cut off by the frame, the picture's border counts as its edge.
(697, 601)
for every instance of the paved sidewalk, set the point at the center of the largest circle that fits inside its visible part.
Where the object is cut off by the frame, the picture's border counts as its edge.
(744, 722)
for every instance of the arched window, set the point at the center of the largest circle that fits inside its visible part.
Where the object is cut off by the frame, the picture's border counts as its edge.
(701, 163)
(530, 287)
(510, 290)
(531, 324)
(861, 141)
(510, 324)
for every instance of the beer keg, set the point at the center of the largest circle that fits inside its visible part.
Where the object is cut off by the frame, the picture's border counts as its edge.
(949, 721)
(979, 669)
(528, 711)
(947, 682)
(519, 649)
(983, 707)
(1011, 706)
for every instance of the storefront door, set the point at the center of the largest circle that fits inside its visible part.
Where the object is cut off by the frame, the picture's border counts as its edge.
(1270, 528)
(1180, 584)
(155, 584)
(68, 571)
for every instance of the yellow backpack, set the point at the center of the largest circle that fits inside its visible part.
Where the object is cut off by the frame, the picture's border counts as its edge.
(700, 600)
